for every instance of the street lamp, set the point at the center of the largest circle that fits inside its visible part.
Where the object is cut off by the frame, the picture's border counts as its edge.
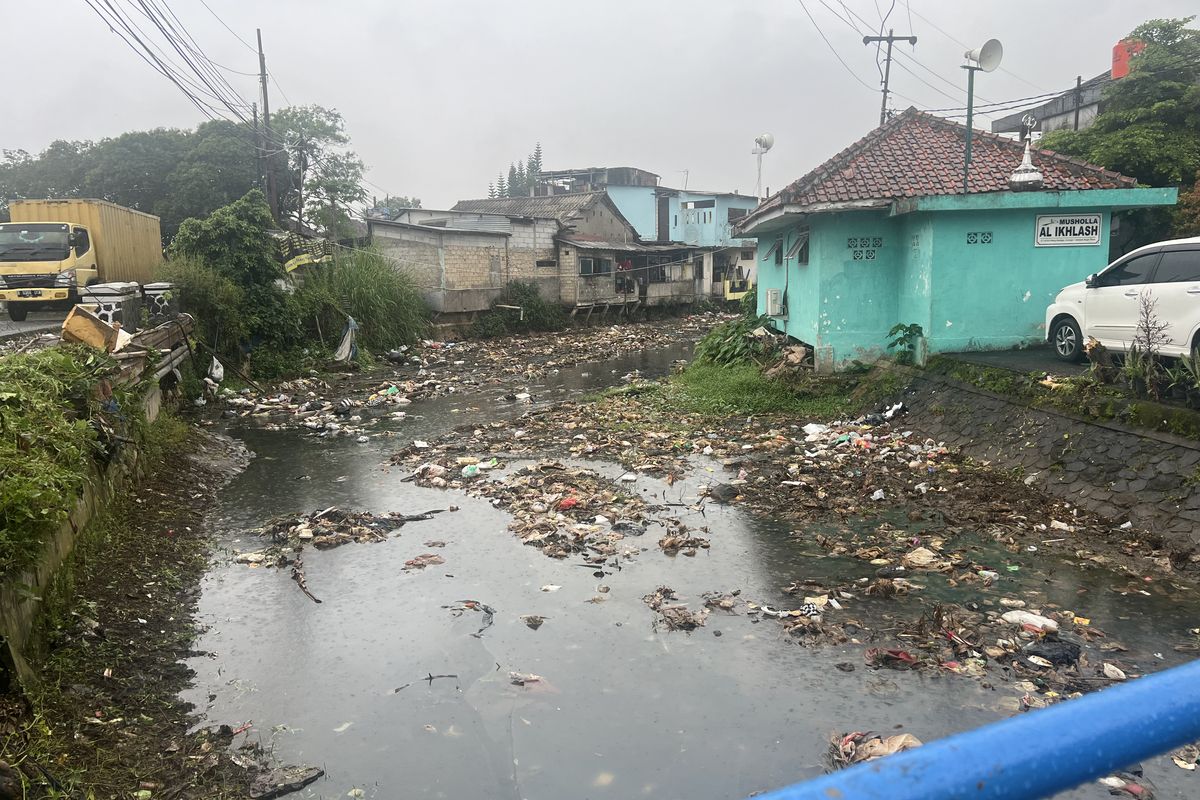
(985, 58)
(762, 143)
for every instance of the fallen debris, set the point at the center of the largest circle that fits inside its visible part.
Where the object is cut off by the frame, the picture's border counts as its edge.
(856, 747)
(674, 616)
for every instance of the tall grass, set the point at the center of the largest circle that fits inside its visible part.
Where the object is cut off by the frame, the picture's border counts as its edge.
(215, 301)
(383, 299)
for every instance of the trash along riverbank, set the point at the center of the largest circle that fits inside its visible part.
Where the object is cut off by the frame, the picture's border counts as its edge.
(626, 595)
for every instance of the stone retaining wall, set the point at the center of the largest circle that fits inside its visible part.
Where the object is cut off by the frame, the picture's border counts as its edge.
(1147, 478)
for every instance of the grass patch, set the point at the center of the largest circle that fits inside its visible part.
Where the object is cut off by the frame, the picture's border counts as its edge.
(536, 314)
(711, 389)
(55, 409)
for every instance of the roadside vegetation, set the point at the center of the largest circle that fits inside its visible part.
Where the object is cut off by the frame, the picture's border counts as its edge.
(60, 417)
(251, 313)
(531, 313)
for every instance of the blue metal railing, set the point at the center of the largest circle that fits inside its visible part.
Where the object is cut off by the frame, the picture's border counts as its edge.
(1033, 755)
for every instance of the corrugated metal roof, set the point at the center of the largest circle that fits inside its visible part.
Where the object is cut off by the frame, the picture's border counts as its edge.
(630, 247)
(561, 207)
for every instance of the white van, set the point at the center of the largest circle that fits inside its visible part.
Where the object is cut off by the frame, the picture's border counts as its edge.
(1105, 306)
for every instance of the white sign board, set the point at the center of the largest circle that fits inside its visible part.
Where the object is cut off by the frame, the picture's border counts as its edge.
(1068, 231)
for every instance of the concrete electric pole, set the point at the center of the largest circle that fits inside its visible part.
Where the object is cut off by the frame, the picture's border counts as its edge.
(887, 69)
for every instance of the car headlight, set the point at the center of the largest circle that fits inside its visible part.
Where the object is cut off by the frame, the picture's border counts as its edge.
(65, 278)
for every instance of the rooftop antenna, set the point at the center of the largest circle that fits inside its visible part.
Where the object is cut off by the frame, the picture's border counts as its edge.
(762, 143)
(685, 177)
(985, 58)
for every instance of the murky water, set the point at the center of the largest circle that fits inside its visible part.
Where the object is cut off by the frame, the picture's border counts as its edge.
(623, 710)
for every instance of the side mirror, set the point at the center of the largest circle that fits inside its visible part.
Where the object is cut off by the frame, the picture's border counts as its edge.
(1090, 281)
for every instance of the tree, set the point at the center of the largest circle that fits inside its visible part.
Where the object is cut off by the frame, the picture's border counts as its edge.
(219, 167)
(1150, 126)
(1187, 211)
(492, 190)
(514, 186)
(235, 241)
(501, 186)
(320, 178)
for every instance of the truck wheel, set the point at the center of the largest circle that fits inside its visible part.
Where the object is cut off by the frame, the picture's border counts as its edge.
(1067, 340)
(17, 313)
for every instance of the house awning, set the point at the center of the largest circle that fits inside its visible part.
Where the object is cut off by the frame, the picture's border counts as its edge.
(624, 247)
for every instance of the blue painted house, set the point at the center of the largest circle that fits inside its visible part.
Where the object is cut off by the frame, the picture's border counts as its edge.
(883, 233)
(660, 214)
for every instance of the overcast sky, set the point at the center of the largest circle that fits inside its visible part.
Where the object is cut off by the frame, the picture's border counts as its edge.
(440, 95)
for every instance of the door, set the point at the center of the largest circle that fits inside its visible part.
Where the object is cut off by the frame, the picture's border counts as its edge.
(1110, 308)
(664, 218)
(1176, 290)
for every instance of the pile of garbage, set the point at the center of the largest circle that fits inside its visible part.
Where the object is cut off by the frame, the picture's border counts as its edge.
(330, 527)
(673, 616)
(347, 404)
(562, 510)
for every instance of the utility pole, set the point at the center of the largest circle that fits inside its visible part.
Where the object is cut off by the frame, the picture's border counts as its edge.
(1078, 98)
(258, 143)
(887, 69)
(300, 188)
(272, 194)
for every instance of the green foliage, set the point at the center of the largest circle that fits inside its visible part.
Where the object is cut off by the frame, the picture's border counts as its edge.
(1150, 126)
(318, 177)
(383, 299)
(748, 305)
(903, 339)
(732, 343)
(172, 173)
(234, 241)
(536, 314)
(522, 176)
(213, 299)
(742, 389)
(46, 401)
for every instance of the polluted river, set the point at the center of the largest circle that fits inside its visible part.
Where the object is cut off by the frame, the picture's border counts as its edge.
(446, 658)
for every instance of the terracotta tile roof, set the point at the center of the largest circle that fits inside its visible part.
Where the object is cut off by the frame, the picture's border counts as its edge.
(915, 154)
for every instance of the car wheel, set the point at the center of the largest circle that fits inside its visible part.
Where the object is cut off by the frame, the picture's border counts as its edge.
(1067, 340)
(17, 313)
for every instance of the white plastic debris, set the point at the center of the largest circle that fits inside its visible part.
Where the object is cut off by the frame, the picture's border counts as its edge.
(878, 494)
(1113, 672)
(1029, 618)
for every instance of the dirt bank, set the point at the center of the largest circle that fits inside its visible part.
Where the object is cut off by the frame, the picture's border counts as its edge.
(105, 719)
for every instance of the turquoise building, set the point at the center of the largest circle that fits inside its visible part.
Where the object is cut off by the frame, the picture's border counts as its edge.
(883, 233)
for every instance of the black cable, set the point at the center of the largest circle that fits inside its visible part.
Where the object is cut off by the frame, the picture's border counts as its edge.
(832, 49)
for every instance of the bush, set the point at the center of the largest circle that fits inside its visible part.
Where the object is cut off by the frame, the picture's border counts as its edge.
(384, 301)
(731, 343)
(47, 400)
(749, 302)
(216, 302)
(536, 313)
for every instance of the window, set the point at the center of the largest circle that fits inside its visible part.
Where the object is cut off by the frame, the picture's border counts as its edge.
(1178, 266)
(747, 255)
(602, 266)
(775, 251)
(585, 266)
(82, 243)
(547, 262)
(799, 248)
(734, 214)
(1132, 273)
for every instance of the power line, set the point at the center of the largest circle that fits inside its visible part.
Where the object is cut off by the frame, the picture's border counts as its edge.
(832, 49)
(961, 43)
(913, 59)
(247, 45)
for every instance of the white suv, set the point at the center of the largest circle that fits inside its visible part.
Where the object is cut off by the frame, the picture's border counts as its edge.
(1105, 306)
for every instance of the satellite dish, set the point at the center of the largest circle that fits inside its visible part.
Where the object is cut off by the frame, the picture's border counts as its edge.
(766, 141)
(987, 57)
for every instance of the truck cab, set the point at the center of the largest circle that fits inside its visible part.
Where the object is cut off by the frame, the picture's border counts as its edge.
(44, 264)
